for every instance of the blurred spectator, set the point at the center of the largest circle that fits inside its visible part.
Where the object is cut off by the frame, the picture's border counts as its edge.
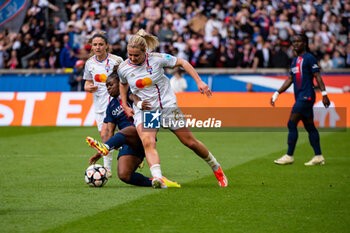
(198, 23)
(76, 80)
(347, 56)
(326, 62)
(263, 57)
(208, 56)
(43, 64)
(249, 87)
(338, 61)
(60, 26)
(247, 54)
(67, 55)
(177, 82)
(189, 27)
(230, 56)
(13, 61)
(279, 55)
(152, 12)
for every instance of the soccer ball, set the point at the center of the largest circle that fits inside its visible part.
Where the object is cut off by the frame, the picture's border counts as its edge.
(96, 175)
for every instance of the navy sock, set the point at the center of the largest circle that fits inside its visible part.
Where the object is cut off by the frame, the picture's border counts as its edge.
(292, 137)
(116, 141)
(139, 180)
(314, 138)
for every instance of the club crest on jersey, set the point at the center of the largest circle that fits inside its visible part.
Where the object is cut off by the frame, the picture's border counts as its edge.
(149, 69)
(108, 68)
(295, 70)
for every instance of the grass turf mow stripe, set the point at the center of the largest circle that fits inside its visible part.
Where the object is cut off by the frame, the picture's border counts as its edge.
(44, 187)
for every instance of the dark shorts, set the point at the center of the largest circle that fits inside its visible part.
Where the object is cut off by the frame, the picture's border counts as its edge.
(304, 108)
(128, 150)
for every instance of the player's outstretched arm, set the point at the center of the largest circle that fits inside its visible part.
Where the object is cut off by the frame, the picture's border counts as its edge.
(124, 87)
(202, 86)
(283, 88)
(322, 87)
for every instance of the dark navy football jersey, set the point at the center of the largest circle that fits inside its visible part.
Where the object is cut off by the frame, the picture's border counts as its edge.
(302, 71)
(115, 114)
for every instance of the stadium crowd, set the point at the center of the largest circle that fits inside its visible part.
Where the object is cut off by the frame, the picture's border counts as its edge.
(232, 33)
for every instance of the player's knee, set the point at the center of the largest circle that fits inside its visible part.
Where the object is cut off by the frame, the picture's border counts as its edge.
(310, 127)
(124, 176)
(292, 125)
(148, 142)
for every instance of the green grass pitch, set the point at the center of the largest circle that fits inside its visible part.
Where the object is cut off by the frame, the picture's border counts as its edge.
(42, 187)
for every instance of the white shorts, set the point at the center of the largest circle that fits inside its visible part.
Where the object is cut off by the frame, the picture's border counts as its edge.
(100, 116)
(169, 118)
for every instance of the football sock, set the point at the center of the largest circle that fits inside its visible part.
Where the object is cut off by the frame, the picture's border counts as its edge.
(292, 137)
(107, 160)
(139, 180)
(155, 171)
(314, 138)
(212, 162)
(116, 141)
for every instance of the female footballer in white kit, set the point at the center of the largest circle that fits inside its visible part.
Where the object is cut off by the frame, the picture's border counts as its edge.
(97, 68)
(144, 73)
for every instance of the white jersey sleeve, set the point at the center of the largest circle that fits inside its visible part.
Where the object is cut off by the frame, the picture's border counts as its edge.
(167, 60)
(123, 79)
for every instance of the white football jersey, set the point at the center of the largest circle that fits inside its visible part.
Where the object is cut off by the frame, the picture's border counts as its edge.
(148, 80)
(99, 70)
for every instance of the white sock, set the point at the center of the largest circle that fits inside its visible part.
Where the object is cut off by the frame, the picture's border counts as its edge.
(155, 171)
(212, 162)
(107, 160)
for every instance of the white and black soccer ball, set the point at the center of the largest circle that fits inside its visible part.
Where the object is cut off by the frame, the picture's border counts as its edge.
(96, 175)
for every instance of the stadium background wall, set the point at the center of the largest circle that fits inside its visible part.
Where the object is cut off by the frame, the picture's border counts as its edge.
(217, 80)
(76, 109)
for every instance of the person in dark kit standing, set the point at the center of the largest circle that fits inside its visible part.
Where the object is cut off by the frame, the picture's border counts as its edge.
(304, 69)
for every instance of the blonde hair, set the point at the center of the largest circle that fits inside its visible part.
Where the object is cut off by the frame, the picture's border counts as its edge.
(143, 41)
(102, 35)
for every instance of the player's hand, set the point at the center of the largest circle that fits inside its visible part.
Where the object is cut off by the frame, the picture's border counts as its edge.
(272, 103)
(204, 89)
(91, 88)
(94, 158)
(326, 101)
(128, 111)
(274, 98)
(144, 105)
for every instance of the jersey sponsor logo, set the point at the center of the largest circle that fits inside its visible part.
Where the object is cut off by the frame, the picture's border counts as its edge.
(151, 119)
(100, 78)
(117, 111)
(295, 70)
(142, 83)
(315, 66)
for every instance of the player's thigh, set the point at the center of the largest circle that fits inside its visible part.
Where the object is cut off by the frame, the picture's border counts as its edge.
(131, 136)
(99, 120)
(127, 164)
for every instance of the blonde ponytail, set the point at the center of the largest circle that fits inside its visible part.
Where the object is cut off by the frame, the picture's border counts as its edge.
(143, 41)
